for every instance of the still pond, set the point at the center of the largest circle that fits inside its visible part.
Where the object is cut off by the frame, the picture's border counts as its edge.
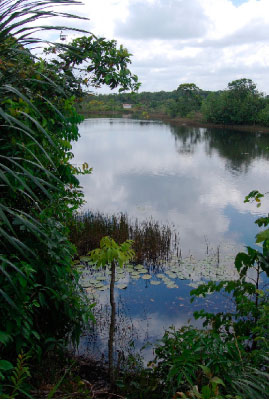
(192, 179)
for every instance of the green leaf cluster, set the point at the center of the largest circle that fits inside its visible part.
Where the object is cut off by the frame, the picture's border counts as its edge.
(110, 251)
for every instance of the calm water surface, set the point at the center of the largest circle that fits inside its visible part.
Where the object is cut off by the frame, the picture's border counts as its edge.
(194, 179)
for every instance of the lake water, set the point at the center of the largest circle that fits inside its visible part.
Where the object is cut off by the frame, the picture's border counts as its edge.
(195, 180)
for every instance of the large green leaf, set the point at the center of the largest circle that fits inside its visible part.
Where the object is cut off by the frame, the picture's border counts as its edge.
(262, 236)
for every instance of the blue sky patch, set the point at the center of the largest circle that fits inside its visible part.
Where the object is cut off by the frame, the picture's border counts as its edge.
(239, 2)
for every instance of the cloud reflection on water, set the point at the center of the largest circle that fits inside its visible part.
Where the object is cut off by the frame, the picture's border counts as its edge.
(188, 177)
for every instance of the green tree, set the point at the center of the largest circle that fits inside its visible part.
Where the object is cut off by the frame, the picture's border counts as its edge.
(189, 99)
(263, 116)
(239, 104)
(112, 254)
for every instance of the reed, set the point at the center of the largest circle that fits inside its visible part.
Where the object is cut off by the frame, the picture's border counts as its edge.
(152, 240)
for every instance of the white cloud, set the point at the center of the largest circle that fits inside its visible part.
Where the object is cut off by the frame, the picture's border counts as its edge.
(170, 19)
(207, 42)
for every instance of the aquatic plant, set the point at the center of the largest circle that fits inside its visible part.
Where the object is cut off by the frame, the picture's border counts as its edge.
(152, 240)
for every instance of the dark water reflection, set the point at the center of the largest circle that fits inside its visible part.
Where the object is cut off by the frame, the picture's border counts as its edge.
(194, 179)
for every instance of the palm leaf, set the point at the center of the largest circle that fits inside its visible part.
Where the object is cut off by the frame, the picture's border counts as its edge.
(12, 265)
(8, 299)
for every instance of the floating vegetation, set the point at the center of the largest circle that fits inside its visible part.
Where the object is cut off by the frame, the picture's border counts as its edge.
(143, 270)
(139, 266)
(160, 276)
(158, 259)
(147, 276)
(122, 286)
(213, 267)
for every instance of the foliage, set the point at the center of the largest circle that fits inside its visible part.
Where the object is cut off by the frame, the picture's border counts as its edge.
(193, 363)
(42, 303)
(183, 355)
(209, 391)
(112, 254)
(253, 383)
(239, 104)
(110, 251)
(189, 99)
(263, 116)
(17, 380)
(99, 62)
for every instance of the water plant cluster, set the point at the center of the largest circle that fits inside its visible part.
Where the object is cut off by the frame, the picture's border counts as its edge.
(197, 271)
(215, 266)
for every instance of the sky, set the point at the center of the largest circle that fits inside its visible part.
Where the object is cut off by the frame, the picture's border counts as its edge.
(207, 42)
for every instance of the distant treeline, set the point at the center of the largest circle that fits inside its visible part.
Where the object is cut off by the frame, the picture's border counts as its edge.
(240, 104)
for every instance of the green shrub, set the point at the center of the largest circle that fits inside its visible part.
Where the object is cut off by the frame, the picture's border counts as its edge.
(181, 353)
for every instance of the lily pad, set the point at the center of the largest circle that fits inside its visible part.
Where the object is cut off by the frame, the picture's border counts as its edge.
(155, 282)
(147, 276)
(101, 278)
(122, 286)
(172, 286)
(120, 276)
(98, 285)
(139, 266)
(135, 273)
(92, 281)
(143, 271)
(160, 276)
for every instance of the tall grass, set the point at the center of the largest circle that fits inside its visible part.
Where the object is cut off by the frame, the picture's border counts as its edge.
(152, 241)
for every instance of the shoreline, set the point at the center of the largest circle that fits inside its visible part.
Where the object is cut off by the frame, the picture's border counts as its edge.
(179, 121)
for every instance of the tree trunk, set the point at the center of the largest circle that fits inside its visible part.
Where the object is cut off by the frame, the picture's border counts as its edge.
(112, 323)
